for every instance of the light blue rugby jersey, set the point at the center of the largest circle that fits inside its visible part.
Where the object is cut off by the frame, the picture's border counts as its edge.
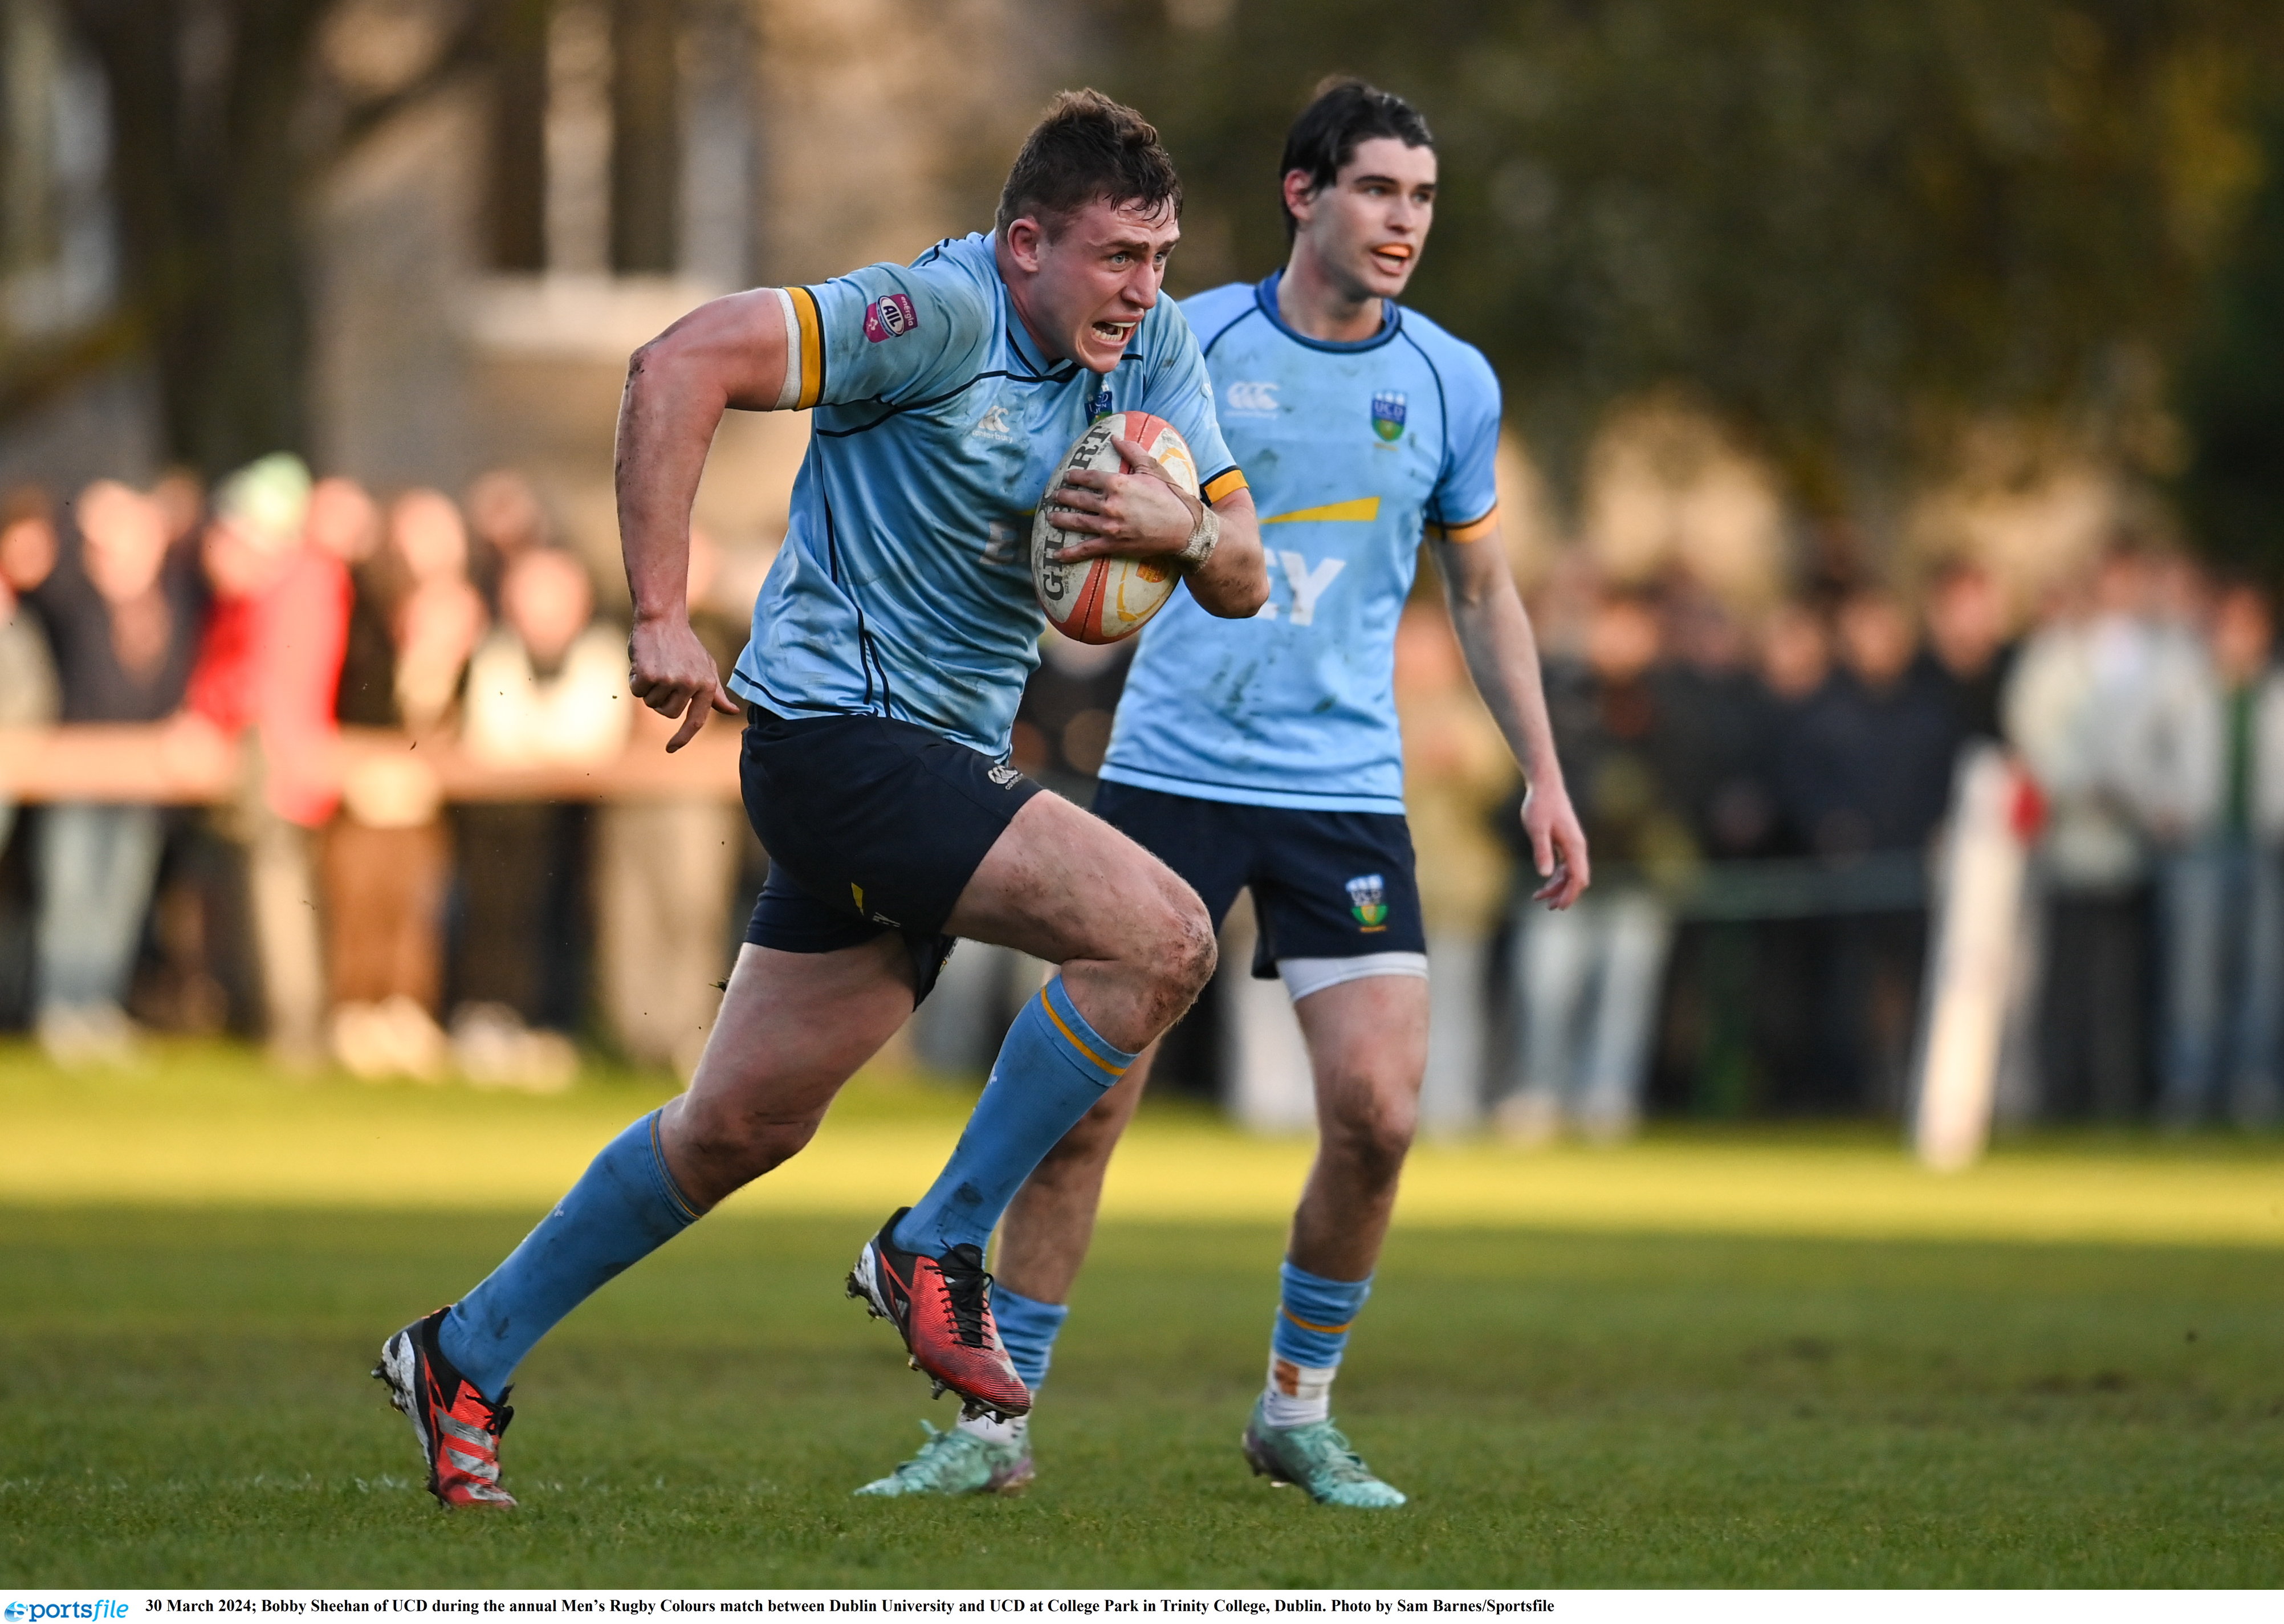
(904, 588)
(1352, 451)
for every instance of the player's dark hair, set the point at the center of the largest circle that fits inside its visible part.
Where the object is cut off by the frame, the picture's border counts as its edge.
(1346, 113)
(1088, 146)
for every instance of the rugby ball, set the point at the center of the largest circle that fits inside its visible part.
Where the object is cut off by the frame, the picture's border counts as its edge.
(1101, 600)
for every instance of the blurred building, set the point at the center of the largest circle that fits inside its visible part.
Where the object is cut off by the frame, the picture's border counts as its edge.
(525, 192)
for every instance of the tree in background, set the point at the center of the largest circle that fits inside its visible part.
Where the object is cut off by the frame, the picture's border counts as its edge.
(207, 167)
(225, 116)
(221, 116)
(2232, 394)
(1851, 230)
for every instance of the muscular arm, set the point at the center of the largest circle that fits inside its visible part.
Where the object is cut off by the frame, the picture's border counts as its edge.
(1235, 583)
(730, 353)
(1494, 631)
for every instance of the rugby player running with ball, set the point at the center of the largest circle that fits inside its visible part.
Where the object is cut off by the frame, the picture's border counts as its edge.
(1264, 753)
(890, 648)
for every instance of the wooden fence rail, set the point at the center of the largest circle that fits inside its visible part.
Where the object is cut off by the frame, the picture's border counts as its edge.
(187, 763)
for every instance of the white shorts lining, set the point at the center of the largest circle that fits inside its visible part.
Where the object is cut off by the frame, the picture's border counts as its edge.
(1304, 976)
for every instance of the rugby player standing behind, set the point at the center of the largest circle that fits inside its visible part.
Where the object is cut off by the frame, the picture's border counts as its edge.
(1264, 753)
(890, 645)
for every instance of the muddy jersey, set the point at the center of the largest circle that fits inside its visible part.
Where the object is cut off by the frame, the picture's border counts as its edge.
(904, 588)
(1353, 451)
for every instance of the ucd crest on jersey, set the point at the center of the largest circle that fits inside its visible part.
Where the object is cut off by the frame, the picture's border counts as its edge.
(1368, 901)
(1387, 414)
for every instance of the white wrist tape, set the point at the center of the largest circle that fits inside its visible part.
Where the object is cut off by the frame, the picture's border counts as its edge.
(1202, 540)
(789, 393)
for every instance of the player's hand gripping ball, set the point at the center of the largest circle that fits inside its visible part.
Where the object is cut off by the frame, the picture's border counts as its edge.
(1101, 600)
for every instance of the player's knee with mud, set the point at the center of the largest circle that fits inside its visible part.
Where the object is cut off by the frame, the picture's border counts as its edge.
(1176, 957)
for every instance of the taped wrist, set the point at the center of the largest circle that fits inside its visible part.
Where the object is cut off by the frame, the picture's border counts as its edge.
(1202, 540)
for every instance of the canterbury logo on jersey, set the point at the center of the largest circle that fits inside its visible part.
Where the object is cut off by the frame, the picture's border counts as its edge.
(1246, 394)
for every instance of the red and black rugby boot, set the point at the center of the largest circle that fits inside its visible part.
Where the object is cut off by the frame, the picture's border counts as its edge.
(943, 1308)
(458, 1428)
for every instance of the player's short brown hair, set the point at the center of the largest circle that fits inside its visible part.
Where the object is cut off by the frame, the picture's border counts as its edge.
(1344, 114)
(1088, 146)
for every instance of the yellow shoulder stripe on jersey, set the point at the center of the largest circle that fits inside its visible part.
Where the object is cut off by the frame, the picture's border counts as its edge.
(1364, 509)
(1474, 530)
(812, 347)
(1224, 484)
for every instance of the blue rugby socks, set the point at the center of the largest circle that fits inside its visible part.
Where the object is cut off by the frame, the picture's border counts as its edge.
(1029, 1327)
(1051, 1070)
(625, 1207)
(1313, 1320)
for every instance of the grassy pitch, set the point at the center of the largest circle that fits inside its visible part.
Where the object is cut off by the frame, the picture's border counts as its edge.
(1593, 1401)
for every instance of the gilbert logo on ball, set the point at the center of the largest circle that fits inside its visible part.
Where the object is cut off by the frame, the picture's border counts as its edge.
(1101, 600)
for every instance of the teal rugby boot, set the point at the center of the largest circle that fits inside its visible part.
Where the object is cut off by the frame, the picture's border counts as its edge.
(1317, 1457)
(958, 1462)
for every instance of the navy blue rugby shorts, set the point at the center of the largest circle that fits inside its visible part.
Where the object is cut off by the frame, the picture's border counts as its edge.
(1326, 885)
(871, 826)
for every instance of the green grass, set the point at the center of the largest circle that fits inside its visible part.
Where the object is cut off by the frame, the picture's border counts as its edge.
(183, 1401)
(1710, 1359)
(206, 1125)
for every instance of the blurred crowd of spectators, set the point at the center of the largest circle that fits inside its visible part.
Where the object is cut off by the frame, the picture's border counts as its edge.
(1763, 800)
(1810, 751)
(1765, 793)
(1762, 793)
(349, 911)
